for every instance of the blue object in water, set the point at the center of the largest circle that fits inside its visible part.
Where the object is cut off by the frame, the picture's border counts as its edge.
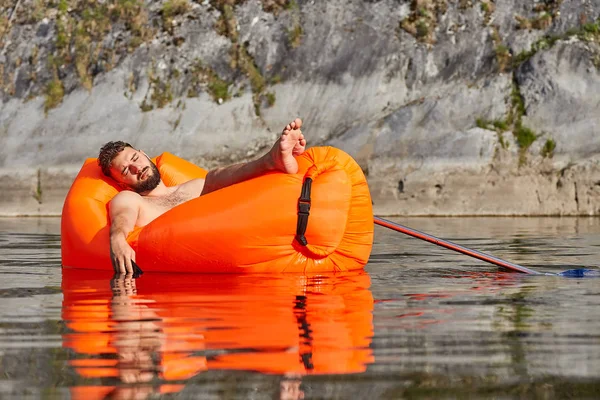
(580, 273)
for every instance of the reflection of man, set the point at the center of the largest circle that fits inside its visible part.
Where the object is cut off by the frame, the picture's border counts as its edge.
(146, 197)
(138, 341)
(289, 388)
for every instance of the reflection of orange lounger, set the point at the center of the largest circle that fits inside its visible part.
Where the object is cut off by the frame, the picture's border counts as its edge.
(172, 327)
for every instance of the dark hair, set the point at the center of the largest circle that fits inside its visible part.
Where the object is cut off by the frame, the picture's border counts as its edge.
(108, 152)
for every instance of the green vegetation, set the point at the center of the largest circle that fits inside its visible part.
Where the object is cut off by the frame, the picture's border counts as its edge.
(517, 109)
(524, 135)
(546, 12)
(240, 58)
(488, 8)
(219, 89)
(205, 77)
(160, 93)
(503, 143)
(296, 32)
(37, 195)
(589, 32)
(497, 125)
(275, 6)
(270, 99)
(82, 25)
(503, 56)
(295, 36)
(548, 149)
(275, 79)
(171, 9)
(423, 19)
(464, 4)
(54, 94)
(422, 29)
(482, 123)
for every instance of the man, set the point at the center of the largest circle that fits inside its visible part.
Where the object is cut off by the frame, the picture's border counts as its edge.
(146, 197)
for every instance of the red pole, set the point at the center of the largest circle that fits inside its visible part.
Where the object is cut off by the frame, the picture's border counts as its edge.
(453, 246)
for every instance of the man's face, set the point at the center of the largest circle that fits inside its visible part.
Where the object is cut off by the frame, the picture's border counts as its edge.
(134, 170)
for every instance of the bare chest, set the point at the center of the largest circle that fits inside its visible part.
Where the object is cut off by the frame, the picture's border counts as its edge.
(153, 207)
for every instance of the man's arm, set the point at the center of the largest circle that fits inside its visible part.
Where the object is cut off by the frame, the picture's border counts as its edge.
(124, 210)
(219, 178)
(280, 157)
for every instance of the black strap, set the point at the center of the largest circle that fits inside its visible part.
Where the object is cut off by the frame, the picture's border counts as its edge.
(303, 212)
(305, 332)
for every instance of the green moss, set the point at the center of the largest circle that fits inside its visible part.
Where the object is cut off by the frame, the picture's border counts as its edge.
(295, 36)
(270, 99)
(219, 90)
(54, 94)
(517, 109)
(503, 57)
(423, 19)
(500, 125)
(275, 79)
(588, 32)
(82, 26)
(422, 12)
(275, 6)
(37, 195)
(162, 94)
(38, 11)
(482, 123)
(503, 142)
(63, 6)
(240, 58)
(422, 29)
(145, 106)
(525, 137)
(292, 5)
(171, 9)
(548, 149)
(203, 76)
(542, 22)
(592, 28)
(62, 36)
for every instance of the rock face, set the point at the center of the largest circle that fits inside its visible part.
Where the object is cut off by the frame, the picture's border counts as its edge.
(452, 107)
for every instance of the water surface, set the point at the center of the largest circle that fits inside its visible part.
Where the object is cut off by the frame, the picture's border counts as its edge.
(420, 322)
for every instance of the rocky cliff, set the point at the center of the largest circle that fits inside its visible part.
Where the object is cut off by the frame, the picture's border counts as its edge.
(452, 107)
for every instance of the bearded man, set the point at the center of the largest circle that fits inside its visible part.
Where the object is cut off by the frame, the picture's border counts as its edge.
(145, 197)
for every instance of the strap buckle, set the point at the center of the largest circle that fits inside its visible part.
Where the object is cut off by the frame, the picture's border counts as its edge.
(303, 211)
(304, 207)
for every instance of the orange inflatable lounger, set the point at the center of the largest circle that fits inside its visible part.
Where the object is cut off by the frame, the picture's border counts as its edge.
(260, 225)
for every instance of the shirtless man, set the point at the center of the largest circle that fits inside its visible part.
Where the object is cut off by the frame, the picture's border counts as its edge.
(147, 197)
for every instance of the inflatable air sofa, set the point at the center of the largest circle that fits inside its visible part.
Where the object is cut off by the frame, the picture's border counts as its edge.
(318, 220)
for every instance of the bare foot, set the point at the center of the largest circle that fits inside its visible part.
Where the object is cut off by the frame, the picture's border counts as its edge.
(290, 144)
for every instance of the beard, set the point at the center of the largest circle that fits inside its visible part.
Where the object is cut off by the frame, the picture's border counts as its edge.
(151, 181)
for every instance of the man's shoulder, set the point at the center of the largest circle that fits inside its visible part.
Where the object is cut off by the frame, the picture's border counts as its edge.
(126, 197)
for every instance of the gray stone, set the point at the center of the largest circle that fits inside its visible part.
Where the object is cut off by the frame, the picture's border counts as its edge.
(561, 90)
(405, 109)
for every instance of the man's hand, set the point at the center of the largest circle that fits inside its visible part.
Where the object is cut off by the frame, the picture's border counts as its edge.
(122, 256)
(123, 211)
